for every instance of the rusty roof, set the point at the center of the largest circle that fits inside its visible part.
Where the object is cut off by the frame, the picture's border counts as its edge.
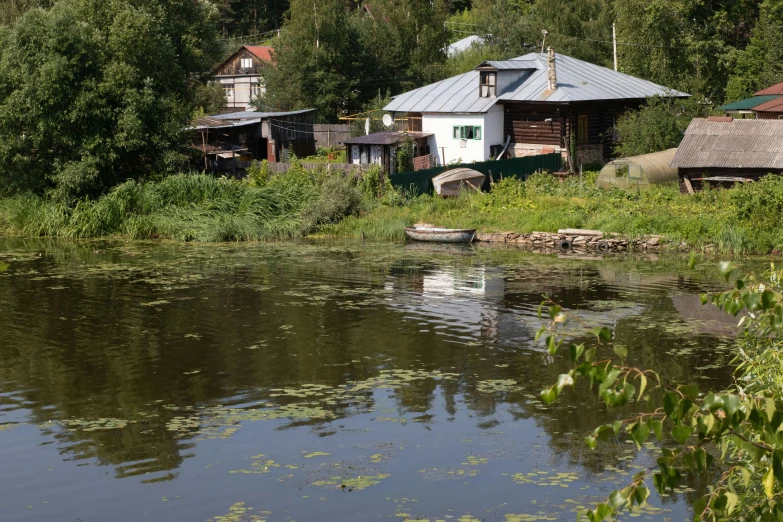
(738, 144)
(385, 138)
(775, 105)
(775, 89)
(263, 52)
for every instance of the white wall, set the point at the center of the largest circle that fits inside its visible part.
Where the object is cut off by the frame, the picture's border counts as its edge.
(443, 142)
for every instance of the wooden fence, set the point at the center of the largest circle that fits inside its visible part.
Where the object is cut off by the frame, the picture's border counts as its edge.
(331, 136)
(421, 181)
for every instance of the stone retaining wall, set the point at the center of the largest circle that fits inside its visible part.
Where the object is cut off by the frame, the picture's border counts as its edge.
(595, 242)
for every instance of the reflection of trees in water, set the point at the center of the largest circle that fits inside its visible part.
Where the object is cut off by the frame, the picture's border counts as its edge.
(259, 319)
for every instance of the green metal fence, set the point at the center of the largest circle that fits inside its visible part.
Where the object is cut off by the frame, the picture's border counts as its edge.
(521, 168)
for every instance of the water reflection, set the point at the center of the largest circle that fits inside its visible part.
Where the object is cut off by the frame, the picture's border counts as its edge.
(200, 371)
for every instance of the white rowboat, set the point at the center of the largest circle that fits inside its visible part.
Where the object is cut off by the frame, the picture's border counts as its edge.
(450, 182)
(441, 235)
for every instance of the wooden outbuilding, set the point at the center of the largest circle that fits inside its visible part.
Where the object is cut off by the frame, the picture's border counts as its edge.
(229, 142)
(380, 148)
(723, 151)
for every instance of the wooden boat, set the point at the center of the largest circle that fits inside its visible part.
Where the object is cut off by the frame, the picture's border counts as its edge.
(450, 182)
(441, 235)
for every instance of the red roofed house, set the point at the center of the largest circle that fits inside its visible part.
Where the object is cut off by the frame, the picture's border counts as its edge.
(240, 75)
(773, 109)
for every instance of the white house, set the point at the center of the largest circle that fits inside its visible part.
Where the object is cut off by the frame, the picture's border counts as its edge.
(240, 75)
(533, 104)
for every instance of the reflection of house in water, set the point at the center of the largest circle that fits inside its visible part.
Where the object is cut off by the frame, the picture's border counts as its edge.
(463, 302)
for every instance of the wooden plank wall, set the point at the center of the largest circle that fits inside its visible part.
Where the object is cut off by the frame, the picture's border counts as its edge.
(526, 123)
(233, 66)
(331, 136)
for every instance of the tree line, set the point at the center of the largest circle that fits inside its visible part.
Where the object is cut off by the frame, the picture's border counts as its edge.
(96, 92)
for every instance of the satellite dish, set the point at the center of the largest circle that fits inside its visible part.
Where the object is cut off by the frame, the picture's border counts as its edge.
(367, 126)
(388, 120)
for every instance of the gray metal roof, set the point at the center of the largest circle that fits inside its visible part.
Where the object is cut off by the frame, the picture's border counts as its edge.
(577, 81)
(512, 65)
(749, 144)
(240, 119)
(255, 114)
(463, 45)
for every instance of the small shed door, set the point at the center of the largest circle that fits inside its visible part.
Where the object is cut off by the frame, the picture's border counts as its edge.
(376, 154)
(364, 157)
(355, 154)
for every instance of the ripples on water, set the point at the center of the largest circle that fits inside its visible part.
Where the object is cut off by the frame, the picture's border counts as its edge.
(312, 382)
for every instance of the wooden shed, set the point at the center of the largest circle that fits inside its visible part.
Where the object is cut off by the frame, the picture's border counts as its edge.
(380, 148)
(723, 151)
(240, 75)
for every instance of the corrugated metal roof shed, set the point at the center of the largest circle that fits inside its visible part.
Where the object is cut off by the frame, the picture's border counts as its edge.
(775, 89)
(749, 144)
(240, 119)
(576, 81)
(748, 103)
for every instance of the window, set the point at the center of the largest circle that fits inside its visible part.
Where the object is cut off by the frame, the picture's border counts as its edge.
(229, 91)
(488, 84)
(466, 132)
(582, 132)
(247, 63)
(255, 90)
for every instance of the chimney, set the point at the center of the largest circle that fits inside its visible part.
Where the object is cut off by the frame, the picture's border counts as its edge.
(551, 69)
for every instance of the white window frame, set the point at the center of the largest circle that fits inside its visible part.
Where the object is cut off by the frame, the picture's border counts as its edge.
(246, 63)
(488, 81)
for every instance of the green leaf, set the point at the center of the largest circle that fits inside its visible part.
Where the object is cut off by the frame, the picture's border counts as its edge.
(731, 403)
(591, 442)
(621, 351)
(657, 427)
(731, 502)
(681, 432)
(768, 299)
(603, 334)
(692, 260)
(725, 268)
(769, 483)
(576, 351)
(617, 500)
(689, 390)
(670, 402)
(703, 298)
(616, 425)
(590, 354)
(769, 408)
(563, 381)
(639, 433)
(548, 396)
(551, 345)
(642, 384)
(609, 380)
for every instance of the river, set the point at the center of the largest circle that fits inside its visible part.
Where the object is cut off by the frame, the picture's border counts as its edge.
(329, 382)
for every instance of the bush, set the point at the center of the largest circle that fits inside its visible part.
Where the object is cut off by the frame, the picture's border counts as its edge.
(338, 198)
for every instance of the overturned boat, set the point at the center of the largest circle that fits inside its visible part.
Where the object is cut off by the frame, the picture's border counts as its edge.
(450, 182)
(441, 235)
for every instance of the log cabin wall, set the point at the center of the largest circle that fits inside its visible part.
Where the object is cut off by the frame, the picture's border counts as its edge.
(526, 123)
(601, 119)
(233, 66)
(293, 132)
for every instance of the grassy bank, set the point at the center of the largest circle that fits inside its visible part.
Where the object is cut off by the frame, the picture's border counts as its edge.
(740, 220)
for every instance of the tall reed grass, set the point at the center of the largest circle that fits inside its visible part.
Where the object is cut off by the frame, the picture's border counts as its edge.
(189, 208)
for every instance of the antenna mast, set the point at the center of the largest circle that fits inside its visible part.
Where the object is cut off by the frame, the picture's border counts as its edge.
(543, 43)
(614, 44)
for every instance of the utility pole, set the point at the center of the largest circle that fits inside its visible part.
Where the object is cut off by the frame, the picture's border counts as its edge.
(614, 44)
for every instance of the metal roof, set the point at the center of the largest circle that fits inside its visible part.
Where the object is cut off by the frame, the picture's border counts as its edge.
(240, 119)
(463, 45)
(511, 65)
(775, 89)
(577, 80)
(775, 105)
(747, 104)
(749, 144)
(385, 138)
